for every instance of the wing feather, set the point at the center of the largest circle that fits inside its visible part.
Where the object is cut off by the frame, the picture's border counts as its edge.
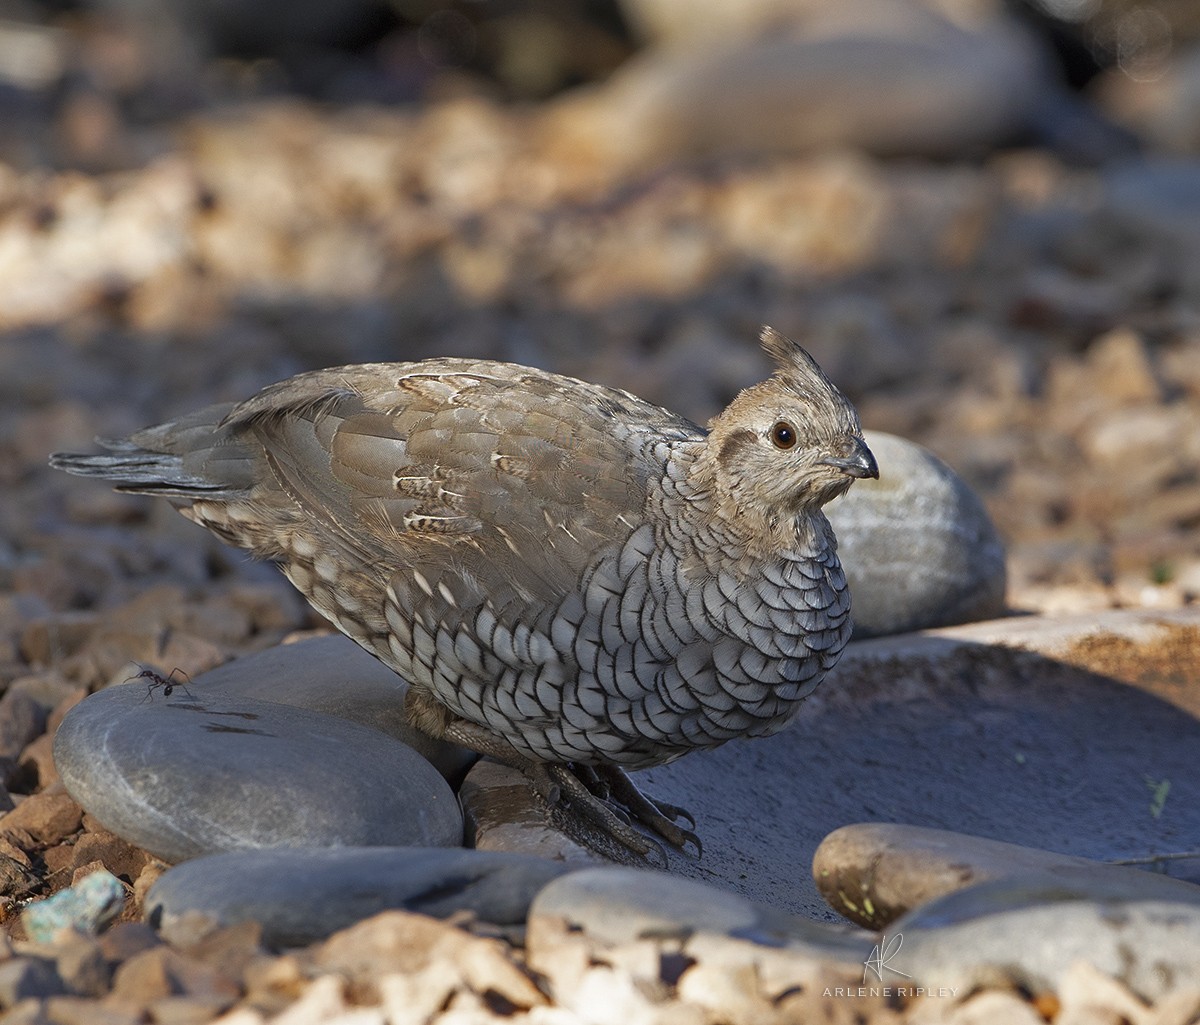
(490, 484)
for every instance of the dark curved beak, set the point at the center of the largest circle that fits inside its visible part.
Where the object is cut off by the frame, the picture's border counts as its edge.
(858, 460)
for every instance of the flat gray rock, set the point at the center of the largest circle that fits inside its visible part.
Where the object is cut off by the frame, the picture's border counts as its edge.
(1038, 731)
(303, 895)
(190, 775)
(918, 546)
(874, 872)
(1032, 932)
(621, 905)
(335, 676)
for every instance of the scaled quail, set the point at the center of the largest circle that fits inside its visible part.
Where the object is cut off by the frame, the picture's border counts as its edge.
(572, 580)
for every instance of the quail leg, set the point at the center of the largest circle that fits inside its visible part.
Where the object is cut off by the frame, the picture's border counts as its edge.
(657, 816)
(607, 798)
(561, 787)
(602, 795)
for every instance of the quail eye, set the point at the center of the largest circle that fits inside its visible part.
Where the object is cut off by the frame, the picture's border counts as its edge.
(783, 435)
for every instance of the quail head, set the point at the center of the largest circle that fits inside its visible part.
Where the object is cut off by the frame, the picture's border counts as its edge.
(571, 579)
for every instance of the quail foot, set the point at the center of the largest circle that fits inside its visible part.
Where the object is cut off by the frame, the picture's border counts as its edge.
(572, 580)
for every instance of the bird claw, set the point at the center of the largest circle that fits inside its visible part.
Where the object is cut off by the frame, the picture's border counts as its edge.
(609, 800)
(673, 812)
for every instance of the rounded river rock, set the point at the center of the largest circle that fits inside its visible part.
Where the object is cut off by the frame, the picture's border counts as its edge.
(917, 545)
(190, 775)
(302, 895)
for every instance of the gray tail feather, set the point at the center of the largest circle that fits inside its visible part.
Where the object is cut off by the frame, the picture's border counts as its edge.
(140, 471)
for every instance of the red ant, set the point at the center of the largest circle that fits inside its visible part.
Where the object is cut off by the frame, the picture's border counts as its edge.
(167, 683)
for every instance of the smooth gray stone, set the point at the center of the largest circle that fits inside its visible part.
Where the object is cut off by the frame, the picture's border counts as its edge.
(335, 676)
(873, 872)
(1031, 931)
(303, 895)
(918, 546)
(618, 905)
(185, 776)
(880, 76)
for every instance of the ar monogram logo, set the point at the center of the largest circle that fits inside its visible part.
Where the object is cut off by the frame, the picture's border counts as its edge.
(881, 955)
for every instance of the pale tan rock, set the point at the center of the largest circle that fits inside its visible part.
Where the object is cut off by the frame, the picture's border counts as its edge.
(161, 971)
(1180, 1008)
(1087, 994)
(778, 969)
(1116, 371)
(414, 998)
(996, 1007)
(726, 995)
(274, 983)
(841, 214)
(241, 1016)
(396, 940)
(560, 952)
(324, 999)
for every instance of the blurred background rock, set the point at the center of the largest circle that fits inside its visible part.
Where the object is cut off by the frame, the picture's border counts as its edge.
(95, 83)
